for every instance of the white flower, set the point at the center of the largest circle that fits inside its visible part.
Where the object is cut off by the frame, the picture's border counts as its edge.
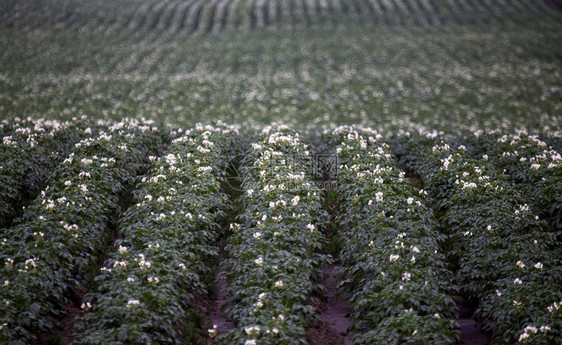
(250, 342)
(410, 200)
(257, 235)
(259, 261)
(131, 279)
(527, 332)
(68, 183)
(498, 292)
(279, 284)
(554, 307)
(132, 302)
(406, 276)
(86, 305)
(212, 331)
(295, 200)
(379, 196)
(413, 259)
(144, 264)
(517, 281)
(252, 329)
(538, 266)
(415, 249)
(520, 264)
(545, 328)
(394, 257)
(250, 192)
(535, 166)
(310, 227)
(122, 249)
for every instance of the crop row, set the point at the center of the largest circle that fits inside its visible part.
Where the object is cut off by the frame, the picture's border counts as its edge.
(166, 247)
(397, 280)
(51, 249)
(274, 251)
(504, 254)
(29, 150)
(534, 165)
(173, 16)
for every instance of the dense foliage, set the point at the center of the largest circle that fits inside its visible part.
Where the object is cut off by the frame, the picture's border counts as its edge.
(477, 80)
(62, 233)
(28, 152)
(274, 252)
(504, 254)
(391, 252)
(534, 165)
(166, 249)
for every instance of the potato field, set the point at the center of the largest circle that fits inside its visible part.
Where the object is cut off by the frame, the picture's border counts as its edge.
(248, 172)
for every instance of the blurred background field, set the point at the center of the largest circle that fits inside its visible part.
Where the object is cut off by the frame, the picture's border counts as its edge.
(456, 66)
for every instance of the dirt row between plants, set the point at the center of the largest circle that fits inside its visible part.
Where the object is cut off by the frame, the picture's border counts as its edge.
(332, 315)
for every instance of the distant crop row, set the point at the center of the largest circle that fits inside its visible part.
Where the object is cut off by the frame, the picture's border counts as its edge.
(199, 16)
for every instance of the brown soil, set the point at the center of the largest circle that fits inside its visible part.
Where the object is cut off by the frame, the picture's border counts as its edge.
(471, 334)
(64, 329)
(556, 4)
(216, 316)
(333, 316)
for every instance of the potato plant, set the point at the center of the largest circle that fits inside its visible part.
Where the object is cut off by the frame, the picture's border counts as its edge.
(273, 253)
(504, 254)
(166, 249)
(29, 150)
(60, 237)
(396, 276)
(534, 165)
